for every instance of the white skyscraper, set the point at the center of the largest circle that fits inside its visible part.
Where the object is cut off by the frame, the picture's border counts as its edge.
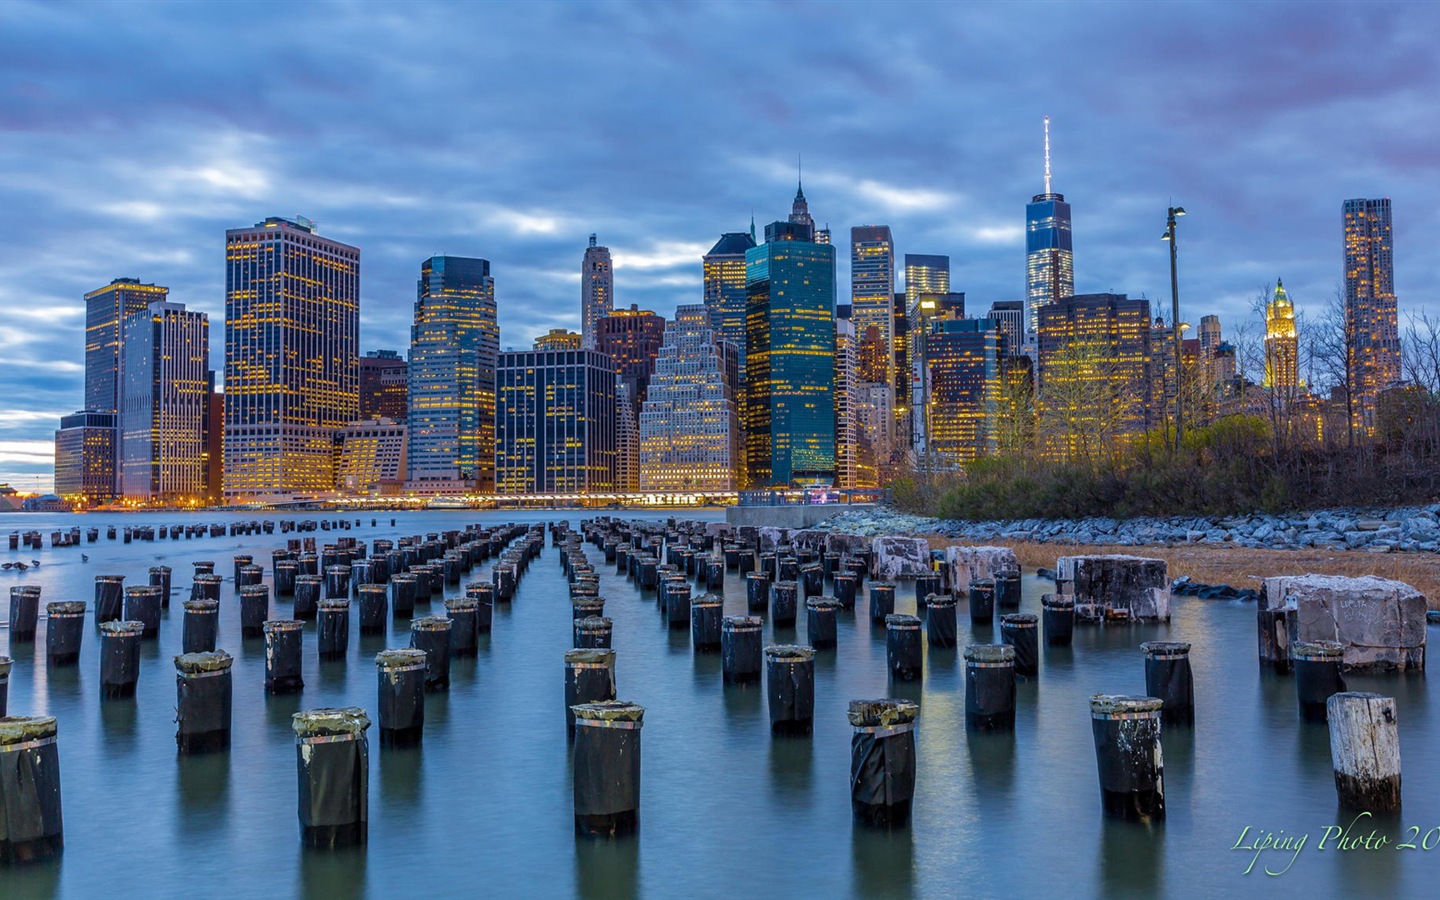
(689, 432)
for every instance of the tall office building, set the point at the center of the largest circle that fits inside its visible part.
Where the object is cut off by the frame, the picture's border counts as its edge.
(164, 389)
(724, 274)
(597, 291)
(873, 407)
(371, 457)
(800, 215)
(214, 451)
(631, 338)
(556, 417)
(1210, 338)
(1010, 316)
(292, 357)
(789, 363)
(847, 435)
(1095, 377)
(924, 274)
(1049, 254)
(689, 427)
(454, 344)
(872, 280)
(872, 356)
(963, 360)
(928, 309)
(105, 312)
(1282, 351)
(384, 386)
(1371, 310)
(627, 439)
(85, 460)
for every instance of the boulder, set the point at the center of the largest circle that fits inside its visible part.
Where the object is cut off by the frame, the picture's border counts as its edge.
(899, 557)
(1379, 622)
(845, 544)
(810, 539)
(969, 564)
(1102, 584)
(771, 537)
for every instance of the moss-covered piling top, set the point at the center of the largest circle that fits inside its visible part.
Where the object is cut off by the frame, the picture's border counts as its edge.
(212, 661)
(400, 658)
(1119, 704)
(609, 711)
(462, 604)
(597, 656)
(19, 729)
(789, 653)
(741, 623)
(333, 603)
(992, 653)
(1316, 650)
(65, 608)
(121, 628)
(201, 605)
(902, 621)
(342, 720)
(880, 713)
(1019, 620)
(430, 623)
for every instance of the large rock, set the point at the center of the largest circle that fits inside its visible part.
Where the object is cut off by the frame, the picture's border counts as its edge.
(845, 544)
(969, 564)
(900, 557)
(809, 538)
(1138, 585)
(770, 537)
(1379, 622)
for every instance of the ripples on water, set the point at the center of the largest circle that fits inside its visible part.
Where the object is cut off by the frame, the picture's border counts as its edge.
(484, 807)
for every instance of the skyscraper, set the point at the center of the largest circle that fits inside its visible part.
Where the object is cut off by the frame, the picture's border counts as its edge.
(384, 386)
(689, 428)
(847, 434)
(1049, 255)
(371, 457)
(454, 344)
(790, 374)
(872, 280)
(929, 308)
(1095, 377)
(627, 439)
(631, 338)
(724, 268)
(292, 336)
(597, 291)
(1371, 312)
(963, 359)
(924, 274)
(1282, 354)
(164, 389)
(558, 339)
(1010, 316)
(85, 461)
(556, 418)
(105, 312)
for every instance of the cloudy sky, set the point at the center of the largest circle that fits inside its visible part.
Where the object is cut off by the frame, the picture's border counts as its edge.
(133, 135)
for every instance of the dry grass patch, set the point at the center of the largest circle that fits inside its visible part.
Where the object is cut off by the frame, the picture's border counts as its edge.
(1243, 568)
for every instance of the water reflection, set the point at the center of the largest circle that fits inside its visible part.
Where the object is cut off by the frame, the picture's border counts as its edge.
(992, 766)
(401, 775)
(790, 761)
(1366, 872)
(607, 870)
(883, 861)
(35, 881)
(744, 704)
(117, 721)
(333, 874)
(203, 787)
(1132, 857)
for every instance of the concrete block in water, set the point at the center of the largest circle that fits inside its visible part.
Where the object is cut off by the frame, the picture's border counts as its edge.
(969, 564)
(1380, 623)
(900, 557)
(1135, 585)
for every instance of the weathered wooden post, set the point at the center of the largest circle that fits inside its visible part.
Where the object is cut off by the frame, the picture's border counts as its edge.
(784, 604)
(790, 681)
(1318, 674)
(1057, 613)
(940, 622)
(757, 592)
(982, 601)
(1019, 631)
(142, 604)
(432, 634)
(820, 626)
(740, 649)
(903, 653)
(705, 615)
(64, 632)
(332, 756)
(283, 673)
(200, 626)
(589, 678)
(33, 827)
(24, 613)
(607, 768)
(1169, 680)
(334, 628)
(119, 658)
(203, 698)
(1127, 753)
(990, 687)
(1365, 750)
(882, 761)
(882, 601)
(401, 676)
(254, 609)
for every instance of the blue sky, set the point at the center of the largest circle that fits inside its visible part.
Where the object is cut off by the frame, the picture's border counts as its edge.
(132, 135)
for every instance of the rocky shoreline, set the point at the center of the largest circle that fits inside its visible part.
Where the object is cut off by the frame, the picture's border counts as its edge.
(1412, 529)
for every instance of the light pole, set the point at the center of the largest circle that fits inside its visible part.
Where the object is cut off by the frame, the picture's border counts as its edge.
(1174, 213)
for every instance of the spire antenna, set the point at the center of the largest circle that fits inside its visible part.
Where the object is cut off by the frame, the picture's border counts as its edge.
(1047, 154)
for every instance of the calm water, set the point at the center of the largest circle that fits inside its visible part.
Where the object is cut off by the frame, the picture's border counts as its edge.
(485, 805)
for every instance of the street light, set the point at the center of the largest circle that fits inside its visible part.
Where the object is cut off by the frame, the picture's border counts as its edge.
(1174, 213)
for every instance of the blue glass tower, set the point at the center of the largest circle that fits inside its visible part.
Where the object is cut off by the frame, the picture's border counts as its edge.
(1049, 255)
(790, 358)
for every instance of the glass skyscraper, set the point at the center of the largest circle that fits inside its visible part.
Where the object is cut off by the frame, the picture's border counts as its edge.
(164, 391)
(384, 386)
(724, 268)
(963, 359)
(556, 422)
(454, 345)
(872, 280)
(85, 457)
(1371, 310)
(790, 358)
(105, 313)
(1049, 254)
(292, 352)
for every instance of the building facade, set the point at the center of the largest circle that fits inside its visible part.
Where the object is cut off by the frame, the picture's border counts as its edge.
(1049, 250)
(1095, 377)
(371, 457)
(689, 427)
(929, 308)
(597, 290)
(105, 312)
(164, 392)
(384, 386)
(454, 346)
(1371, 309)
(557, 422)
(724, 281)
(627, 440)
(790, 359)
(847, 434)
(964, 359)
(872, 279)
(632, 338)
(292, 360)
(85, 458)
(1010, 316)
(558, 339)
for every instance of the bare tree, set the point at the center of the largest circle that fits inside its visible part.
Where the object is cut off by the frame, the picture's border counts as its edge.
(1333, 358)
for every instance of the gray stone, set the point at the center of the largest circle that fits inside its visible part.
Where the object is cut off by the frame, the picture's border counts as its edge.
(1380, 623)
(969, 564)
(1138, 585)
(899, 557)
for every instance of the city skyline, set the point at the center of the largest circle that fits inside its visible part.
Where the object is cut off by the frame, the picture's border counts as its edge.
(1257, 150)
